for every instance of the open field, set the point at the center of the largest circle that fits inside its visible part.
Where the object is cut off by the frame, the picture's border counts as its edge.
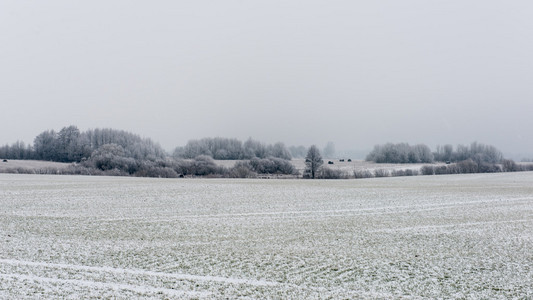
(460, 236)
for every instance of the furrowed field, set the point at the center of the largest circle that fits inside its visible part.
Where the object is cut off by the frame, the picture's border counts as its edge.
(460, 236)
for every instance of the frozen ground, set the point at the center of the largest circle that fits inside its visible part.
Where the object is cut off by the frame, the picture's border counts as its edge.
(459, 236)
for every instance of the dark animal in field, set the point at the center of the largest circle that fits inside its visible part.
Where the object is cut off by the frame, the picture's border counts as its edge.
(349, 160)
(330, 162)
(342, 160)
(5, 160)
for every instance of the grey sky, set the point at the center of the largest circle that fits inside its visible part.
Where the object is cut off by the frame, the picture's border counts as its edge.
(356, 73)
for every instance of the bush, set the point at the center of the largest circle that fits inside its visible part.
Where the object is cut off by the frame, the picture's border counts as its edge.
(156, 171)
(467, 166)
(272, 165)
(242, 170)
(200, 166)
(327, 173)
(527, 167)
(406, 172)
(427, 170)
(381, 173)
(508, 165)
(362, 174)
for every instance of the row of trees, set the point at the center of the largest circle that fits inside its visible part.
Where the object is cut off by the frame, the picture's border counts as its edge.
(116, 152)
(400, 153)
(231, 149)
(405, 153)
(71, 145)
(471, 166)
(477, 152)
(17, 150)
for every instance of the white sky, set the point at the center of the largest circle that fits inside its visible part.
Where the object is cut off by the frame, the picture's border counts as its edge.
(357, 73)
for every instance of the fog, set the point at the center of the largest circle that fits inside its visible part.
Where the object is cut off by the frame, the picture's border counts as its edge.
(356, 73)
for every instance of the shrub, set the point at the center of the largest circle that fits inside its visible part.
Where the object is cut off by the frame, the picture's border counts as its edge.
(156, 171)
(427, 170)
(406, 172)
(467, 166)
(327, 173)
(381, 173)
(362, 174)
(508, 165)
(272, 165)
(440, 170)
(242, 170)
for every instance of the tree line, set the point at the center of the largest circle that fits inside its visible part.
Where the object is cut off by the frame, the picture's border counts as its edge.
(405, 153)
(476, 158)
(116, 152)
(231, 149)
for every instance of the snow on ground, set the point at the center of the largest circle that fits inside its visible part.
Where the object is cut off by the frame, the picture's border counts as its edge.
(449, 236)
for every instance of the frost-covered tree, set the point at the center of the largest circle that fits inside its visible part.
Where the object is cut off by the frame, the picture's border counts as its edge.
(224, 148)
(45, 145)
(280, 151)
(400, 153)
(313, 160)
(68, 144)
(17, 150)
(253, 148)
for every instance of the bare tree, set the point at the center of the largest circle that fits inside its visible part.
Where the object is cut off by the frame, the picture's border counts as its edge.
(313, 160)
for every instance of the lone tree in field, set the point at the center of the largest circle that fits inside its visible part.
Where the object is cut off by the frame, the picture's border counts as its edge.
(313, 160)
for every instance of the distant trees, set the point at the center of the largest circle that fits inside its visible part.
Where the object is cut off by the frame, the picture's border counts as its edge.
(231, 149)
(71, 145)
(45, 146)
(116, 152)
(313, 161)
(404, 153)
(400, 153)
(477, 152)
(17, 150)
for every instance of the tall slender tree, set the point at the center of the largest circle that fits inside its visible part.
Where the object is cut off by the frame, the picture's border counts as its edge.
(313, 160)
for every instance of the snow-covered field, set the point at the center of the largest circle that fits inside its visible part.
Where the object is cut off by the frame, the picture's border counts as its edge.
(459, 236)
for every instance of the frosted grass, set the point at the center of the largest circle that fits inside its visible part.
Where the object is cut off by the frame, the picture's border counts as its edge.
(460, 236)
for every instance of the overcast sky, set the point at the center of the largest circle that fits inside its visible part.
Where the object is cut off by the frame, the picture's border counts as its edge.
(357, 73)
